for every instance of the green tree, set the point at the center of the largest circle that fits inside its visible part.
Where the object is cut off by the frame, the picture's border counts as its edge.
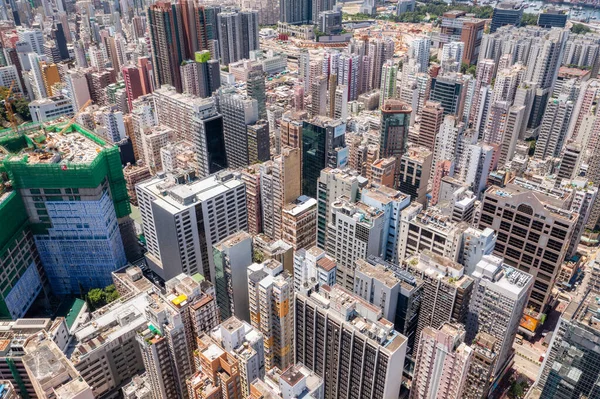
(580, 28)
(21, 107)
(529, 19)
(258, 256)
(111, 293)
(96, 298)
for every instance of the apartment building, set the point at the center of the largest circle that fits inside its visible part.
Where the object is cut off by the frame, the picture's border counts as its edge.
(346, 341)
(446, 290)
(55, 376)
(355, 232)
(251, 179)
(443, 361)
(246, 344)
(177, 211)
(313, 268)
(218, 375)
(429, 230)
(391, 202)
(295, 382)
(332, 184)
(186, 310)
(135, 174)
(106, 352)
(271, 295)
(299, 222)
(415, 168)
(481, 375)
(499, 297)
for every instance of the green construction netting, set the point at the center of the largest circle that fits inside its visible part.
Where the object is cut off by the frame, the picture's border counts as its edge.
(71, 175)
(13, 217)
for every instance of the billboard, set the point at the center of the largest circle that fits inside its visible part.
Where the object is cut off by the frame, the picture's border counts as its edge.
(339, 130)
(342, 157)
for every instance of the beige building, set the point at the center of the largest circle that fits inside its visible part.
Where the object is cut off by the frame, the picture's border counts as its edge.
(133, 175)
(51, 373)
(299, 220)
(534, 231)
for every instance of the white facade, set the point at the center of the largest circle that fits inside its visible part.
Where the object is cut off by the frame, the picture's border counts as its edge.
(174, 216)
(499, 297)
(50, 108)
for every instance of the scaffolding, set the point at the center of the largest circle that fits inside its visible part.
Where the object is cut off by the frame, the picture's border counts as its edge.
(107, 164)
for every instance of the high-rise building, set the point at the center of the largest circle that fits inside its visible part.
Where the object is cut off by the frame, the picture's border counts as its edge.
(449, 90)
(442, 363)
(84, 199)
(446, 290)
(232, 256)
(499, 297)
(429, 229)
(332, 184)
(415, 167)
(391, 202)
(354, 232)
(279, 186)
(255, 88)
(205, 129)
(215, 207)
(506, 13)
(570, 369)
(480, 375)
(271, 296)
(395, 121)
(246, 344)
(133, 83)
(388, 82)
(186, 310)
(19, 257)
(395, 291)
(419, 51)
(299, 222)
(323, 145)
(432, 117)
(452, 56)
(166, 39)
(329, 341)
(251, 178)
(258, 142)
(106, 349)
(237, 35)
(534, 232)
(201, 77)
(59, 376)
(238, 112)
(313, 268)
(554, 128)
(219, 373)
(46, 109)
(295, 11)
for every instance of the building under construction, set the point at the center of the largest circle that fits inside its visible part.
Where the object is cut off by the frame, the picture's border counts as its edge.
(69, 191)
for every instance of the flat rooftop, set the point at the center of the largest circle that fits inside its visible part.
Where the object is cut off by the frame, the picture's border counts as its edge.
(586, 312)
(378, 272)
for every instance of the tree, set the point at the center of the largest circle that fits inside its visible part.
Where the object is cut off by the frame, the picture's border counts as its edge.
(258, 256)
(96, 298)
(529, 19)
(21, 107)
(580, 28)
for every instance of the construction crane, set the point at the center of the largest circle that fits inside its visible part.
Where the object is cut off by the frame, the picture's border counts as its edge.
(9, 111)
(68, 125)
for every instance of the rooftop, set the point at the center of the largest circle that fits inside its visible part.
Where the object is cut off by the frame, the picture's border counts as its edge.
(586, 312)
(377, 271)
(360, 315)
(49, 147)
(301, 205)
(176, 197)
